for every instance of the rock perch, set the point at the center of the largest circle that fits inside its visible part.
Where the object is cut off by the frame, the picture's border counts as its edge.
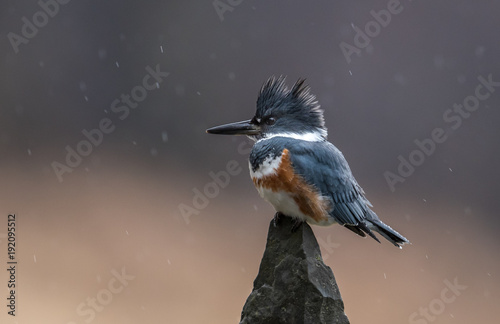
(293, 285)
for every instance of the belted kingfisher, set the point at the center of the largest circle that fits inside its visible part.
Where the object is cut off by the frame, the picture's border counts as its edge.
(297, 170)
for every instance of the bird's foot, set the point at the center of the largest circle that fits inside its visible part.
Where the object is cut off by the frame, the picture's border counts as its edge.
(296, 225)
(277, 218)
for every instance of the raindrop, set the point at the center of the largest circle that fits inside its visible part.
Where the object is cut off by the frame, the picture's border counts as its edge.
(179, 90)
(101, 53)
(450, 169)
(439, 61)
(198, 93)
(161, 48)
(19, 110)
(86, 98)
(154, 152)
(168, 260)
(29, 152)
(385, 277)
(117, 65)
(480, 51)
(232, 76)
(34, 258)
(164, 136)
(126, 232)
(350, 72)
(400, 79)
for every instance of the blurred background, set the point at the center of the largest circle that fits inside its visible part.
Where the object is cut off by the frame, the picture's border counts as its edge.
(125, 233)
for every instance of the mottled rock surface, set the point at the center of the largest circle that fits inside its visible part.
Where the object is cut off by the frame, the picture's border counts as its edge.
(293, 285)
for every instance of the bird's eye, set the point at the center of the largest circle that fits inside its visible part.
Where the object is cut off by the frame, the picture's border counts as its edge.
(270, 121)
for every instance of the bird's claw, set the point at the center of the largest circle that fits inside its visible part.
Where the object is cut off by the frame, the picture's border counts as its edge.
(296, 225)
(276, 219)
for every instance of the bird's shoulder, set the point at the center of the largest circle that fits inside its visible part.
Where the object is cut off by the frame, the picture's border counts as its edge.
(319, 163)
(323, 165)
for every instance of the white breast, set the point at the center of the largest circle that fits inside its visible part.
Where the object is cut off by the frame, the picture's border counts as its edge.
(282, 201)
(268, 167)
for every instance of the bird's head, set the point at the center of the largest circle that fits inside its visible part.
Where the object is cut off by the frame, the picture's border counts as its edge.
(281, 112)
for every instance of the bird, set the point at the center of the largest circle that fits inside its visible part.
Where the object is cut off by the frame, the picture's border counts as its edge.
(297, 170)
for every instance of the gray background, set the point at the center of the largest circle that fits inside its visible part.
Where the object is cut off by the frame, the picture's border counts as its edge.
(120, 207)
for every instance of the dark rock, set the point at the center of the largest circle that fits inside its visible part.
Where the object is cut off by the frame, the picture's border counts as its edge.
(293, 285)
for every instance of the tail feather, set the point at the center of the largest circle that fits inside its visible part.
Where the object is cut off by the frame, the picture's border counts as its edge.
(361, 229)
(355, 229)
(365, 229)
(374, 223)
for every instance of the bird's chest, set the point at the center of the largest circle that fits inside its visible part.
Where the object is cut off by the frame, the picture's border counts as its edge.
(277, 182)
(275, 186)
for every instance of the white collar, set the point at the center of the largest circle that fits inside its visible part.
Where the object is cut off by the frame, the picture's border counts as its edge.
(317, 136)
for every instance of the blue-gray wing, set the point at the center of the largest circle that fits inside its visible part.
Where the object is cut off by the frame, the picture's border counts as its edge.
(323, 165)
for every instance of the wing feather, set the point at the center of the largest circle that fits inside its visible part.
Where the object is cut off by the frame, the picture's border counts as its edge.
(324, 166)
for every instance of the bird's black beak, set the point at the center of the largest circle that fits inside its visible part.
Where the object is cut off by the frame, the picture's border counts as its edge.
(245, 127)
